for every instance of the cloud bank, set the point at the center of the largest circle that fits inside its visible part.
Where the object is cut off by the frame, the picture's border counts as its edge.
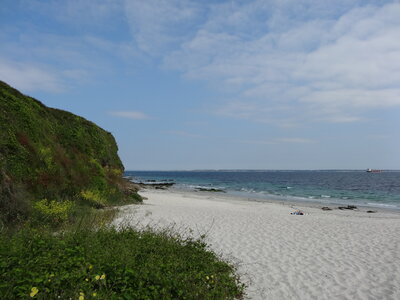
(277, 62)
(281, 62)
(29, 77)
(135, 115)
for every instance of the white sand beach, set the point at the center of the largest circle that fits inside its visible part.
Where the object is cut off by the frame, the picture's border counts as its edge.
(336, 254)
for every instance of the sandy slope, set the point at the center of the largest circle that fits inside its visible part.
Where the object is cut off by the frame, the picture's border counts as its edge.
(321, 255)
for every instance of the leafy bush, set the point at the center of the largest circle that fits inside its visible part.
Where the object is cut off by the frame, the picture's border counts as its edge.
(14, 201)
(110, 264)
(94, 198)
(51, 211)
(136, 198)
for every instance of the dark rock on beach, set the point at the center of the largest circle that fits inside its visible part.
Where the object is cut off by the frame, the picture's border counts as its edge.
(350, 207)
(210, 190)
(155, 185)
(326, 208)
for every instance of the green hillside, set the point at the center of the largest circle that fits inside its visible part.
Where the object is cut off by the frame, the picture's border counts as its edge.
(48, 153)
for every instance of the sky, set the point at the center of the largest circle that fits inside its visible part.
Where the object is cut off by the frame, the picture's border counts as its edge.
(182, 85)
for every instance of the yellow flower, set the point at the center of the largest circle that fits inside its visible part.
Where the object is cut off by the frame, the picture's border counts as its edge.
(34, 291)
(81, 297)
(90, 267)
(94, 294)
(103, 276)
(97, 277)
(207, 277)
(87, 279)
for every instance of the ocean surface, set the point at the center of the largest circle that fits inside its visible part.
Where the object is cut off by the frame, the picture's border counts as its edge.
(330, 187)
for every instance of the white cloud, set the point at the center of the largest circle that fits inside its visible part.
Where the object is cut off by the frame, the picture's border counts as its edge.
(159, 24)
(295, 140)
(276, 141)
(184, 133)
(354, 98)
(257, 142)
(331, 69)
(60, 61)
(135, 115)
(378, 136)
(77, 13)
(29, 77)
(277, 62)
(80, 47)
(50, 62)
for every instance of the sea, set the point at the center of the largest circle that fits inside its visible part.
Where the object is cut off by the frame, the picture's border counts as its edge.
(342, 187)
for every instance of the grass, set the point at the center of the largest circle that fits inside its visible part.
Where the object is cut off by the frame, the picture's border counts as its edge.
(111, 264)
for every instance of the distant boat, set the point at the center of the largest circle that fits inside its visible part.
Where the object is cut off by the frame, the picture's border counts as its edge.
(373, 171)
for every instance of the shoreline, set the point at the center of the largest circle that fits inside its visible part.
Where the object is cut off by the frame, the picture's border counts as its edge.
(300, 202)
(326, 187)
(333, 254)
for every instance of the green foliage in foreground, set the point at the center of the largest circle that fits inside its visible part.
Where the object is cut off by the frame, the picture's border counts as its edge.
(110, 264)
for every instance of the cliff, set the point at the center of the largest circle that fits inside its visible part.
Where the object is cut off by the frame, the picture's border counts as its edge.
(53, 154)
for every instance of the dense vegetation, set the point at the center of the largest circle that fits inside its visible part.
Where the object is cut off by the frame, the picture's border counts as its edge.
(112, 265)
(58, 174)
(51, 154)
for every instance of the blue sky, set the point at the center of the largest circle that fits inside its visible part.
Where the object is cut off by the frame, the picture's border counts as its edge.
(273, 84)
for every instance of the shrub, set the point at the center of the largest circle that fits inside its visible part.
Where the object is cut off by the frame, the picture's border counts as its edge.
(136, 198)
(111, 264)
(51, 211)
(94, 198)
(14, 201)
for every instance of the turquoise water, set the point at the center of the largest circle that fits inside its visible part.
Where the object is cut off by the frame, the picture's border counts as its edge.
(343, 187)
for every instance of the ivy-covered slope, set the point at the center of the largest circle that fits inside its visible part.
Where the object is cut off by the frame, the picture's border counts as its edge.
(53, 154)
